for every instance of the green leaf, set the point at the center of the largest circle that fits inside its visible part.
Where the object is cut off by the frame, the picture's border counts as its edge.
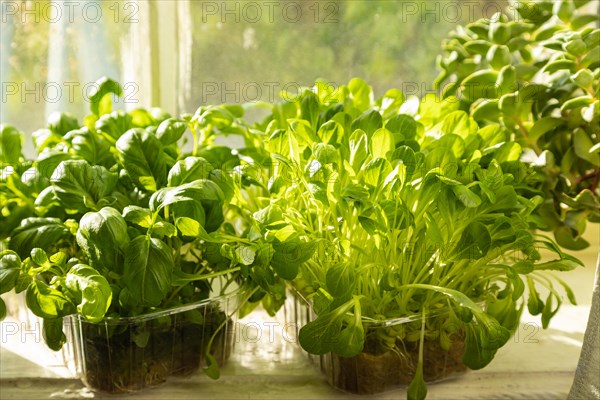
(534, 304)
(549, 311)
(289, 255)
(90, 147)
(40, 257)
(575, 47)
(45, 139)
(23, 283)
(2, 309)
(391, 102)
(10, 269)
(558, 65)
(369, 225)
(103, 238)
(201, 200)
(459, 123)
(543, 126)
(309, 108)
(91, 290)
(433, 230)
(148, 270)
(47, 302)
(486, 110)
(375, 172)
(382, 142)
(407, 157)
(61, 123)
(568, 239)
(10, 144)
(474, 242)
(493, 134)
(403, 126)
(369, 122)
(330, 132)
(359, 149)
(325, 153)
(163, 228)
(480, 47)
(581, 21)
(141, 338)
(80, 186)
(341, 279)
(37, 232)
(245, 254)
(141, 155)
(270, 216)
(142, 118)
(477, 355)
(523, 267)
(498, 56)
(443, 159)
(480, 84)
(583, 78)
(350, 341)
(189, 170)
(49, 160)
(212, 369)
(417, 389)
(507, 152)
(454, 143)
(577, 102)
(138, 216)
(318, 336)
(218, 116)
(583, 144)
(112, 126)
(362, 94)
(170, 131)
(192, 228)
(99, 104)
(466, 196)
(224, 182)
(557, 265)
(52, 331)
(357, 193)
(499, 32)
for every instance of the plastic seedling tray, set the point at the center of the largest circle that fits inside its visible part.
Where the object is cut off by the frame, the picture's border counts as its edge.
(377, 370)
(122, 355)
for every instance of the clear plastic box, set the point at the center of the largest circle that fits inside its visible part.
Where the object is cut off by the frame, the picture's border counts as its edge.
(374, 372)
(122, 355)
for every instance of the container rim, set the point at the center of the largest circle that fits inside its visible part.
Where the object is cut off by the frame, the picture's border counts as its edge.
(162, 313)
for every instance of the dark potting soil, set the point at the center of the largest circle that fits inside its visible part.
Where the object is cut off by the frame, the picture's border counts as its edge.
(115, 363)
(369, 373)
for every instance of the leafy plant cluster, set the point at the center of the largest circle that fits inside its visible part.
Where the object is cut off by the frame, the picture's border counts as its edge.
(114, 219)
(420, 214)
(378, 210)
(537, 75)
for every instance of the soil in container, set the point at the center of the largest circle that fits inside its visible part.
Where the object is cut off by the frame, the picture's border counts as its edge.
(128, 357)
(369, 373)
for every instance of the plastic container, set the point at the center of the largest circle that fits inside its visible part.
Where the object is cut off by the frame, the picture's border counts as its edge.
(122, 355)
(373, 370)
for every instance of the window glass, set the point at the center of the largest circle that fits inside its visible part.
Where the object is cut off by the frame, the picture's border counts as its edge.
(242, 51)
(52, 52)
